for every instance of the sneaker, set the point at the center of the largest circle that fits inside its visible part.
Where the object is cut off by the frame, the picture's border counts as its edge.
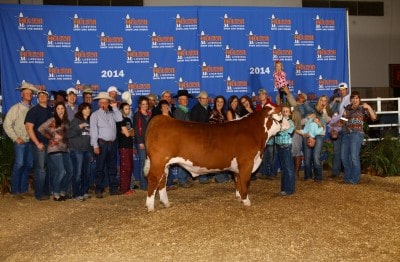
(130, 192)
(185, 185)
(99, 195)
(116, 193)
(80, 198)
(86, 196)
(18, 197)
(58, 198)
(173, 187)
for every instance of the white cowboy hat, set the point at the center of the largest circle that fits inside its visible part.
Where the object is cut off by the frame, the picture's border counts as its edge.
(113, 89)
(126, 97)
(102, 95)
(26, 85)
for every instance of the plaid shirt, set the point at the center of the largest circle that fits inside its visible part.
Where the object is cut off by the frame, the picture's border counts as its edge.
(356, 118)
(285, 137)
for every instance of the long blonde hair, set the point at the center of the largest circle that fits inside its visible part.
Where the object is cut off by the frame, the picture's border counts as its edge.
(318, 107)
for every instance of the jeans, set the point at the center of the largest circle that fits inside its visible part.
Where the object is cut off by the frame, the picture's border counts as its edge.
(222, 177)
(58, 164)
(41, 179)
(106, 161)
(125, 168)
(337, 155)
(312, 158)
(351, 146)
(22, 166)
(268, 167)
(287, 165)
(183, 175)
(67, 181)
(142, 179)
(81, 171)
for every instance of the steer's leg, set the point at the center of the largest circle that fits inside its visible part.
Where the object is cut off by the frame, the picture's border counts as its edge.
(153, 179)
(243, 182)
(162, 189)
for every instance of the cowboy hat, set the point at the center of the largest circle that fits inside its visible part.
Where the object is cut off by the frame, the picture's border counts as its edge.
(102, 95)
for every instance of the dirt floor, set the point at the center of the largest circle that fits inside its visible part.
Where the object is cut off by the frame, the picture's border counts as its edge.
(326, 221)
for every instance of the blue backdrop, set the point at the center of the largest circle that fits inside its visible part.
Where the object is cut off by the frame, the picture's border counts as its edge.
(222, 50)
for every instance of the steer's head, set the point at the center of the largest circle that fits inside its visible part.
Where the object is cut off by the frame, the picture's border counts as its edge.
(274, 120)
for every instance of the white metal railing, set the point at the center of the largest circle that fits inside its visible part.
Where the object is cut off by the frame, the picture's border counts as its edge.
(377, 104)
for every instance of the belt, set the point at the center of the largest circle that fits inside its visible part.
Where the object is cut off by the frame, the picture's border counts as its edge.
(105, 141)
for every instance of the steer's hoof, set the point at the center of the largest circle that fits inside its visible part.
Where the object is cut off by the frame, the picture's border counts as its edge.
(246, 202)
(167, 205)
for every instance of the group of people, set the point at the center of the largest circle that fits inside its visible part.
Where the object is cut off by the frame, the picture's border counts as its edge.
(74, 147)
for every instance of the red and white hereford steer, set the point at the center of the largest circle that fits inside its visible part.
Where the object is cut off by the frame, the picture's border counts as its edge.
(201, 148)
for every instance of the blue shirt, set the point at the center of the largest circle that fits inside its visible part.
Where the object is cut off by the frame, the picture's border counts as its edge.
(285, 137)
(103, 125)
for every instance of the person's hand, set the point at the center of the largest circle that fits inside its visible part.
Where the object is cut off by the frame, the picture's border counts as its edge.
(19, 141)
(113, 103)
(96, 150)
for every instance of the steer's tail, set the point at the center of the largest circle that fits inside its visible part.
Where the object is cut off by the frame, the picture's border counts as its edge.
(146, 167)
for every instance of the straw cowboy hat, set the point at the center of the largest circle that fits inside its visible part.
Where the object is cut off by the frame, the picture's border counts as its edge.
(102, 95)
(26, 85)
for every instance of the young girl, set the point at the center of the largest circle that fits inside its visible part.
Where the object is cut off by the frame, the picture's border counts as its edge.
(283, 142)
(125, 136)
(280, 80)
(55, 130)
(80, 151)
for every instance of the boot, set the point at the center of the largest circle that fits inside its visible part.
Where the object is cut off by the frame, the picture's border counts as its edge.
(297, 164)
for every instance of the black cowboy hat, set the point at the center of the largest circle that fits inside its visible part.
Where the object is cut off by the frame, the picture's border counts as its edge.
(183, 92)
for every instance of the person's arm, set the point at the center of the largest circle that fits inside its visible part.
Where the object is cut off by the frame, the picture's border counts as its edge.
(9, 124)
(371, 112)
(94, 134)
(32, 136)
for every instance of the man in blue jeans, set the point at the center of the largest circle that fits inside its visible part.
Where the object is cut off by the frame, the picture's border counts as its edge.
(35, 117)
(15, 128)
(103, 134)
(337, 106)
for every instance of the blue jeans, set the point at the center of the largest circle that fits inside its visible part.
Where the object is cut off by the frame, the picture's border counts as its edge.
(67, 181)
(142, 179)
(222, 177)
(287, 165)
(23, 163)
(337, 155)
(106, 164)
(268, 167)
(183, 175)
(351, 146)
(41, 179)
(312, 158)
(58, 163)
(81, 171)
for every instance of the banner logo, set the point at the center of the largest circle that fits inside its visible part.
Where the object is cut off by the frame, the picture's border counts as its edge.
(161, 73)
(325, 54)
(280, 24)
(30, 57)
(324, 24)
(111, 42)
(137, 57)
(132, 24)
(235, 85)
(305, 69)
(192, 87)
(235, 55)
(257, 40)
(211, 71)
(161, 41)
(282, 54)
(302, 40)
(182, 23)
(85, 57)
(183, 55)
(233, 23)
(210, 40)
(59, 73)
(84, 24)
(139, 89)
(327, 84)
(58, 41)
(29, 23)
